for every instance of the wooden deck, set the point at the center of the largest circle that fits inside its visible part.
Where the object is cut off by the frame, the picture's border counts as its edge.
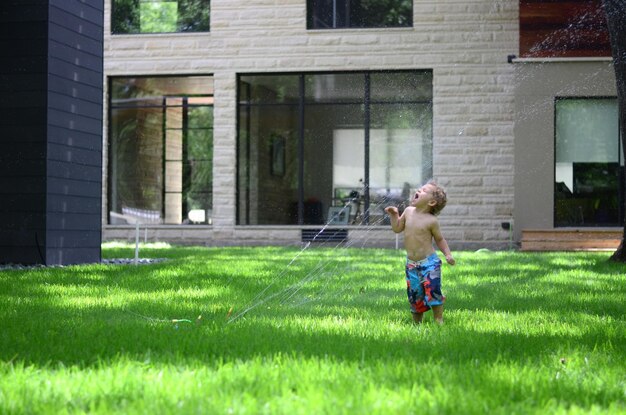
(570, 239)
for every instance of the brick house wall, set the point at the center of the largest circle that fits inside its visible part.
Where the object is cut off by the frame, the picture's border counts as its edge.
(464, 43)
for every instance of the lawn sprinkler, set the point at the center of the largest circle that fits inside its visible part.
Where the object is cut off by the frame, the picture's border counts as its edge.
(175, 321)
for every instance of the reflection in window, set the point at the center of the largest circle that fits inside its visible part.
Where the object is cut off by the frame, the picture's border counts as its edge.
(161, 150)
(346, 140)
(589, 163)
(160, 16)
(337, 14)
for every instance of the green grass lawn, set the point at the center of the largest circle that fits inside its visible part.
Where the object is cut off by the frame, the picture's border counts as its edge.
(290, 331)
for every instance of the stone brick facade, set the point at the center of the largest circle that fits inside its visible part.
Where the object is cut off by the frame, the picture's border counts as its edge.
(465, 44)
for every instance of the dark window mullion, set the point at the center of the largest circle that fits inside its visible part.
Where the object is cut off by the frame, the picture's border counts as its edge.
(622, 178)
(246, 165)
(366, 180)
(186, 165)
(248, 152)
(163, 156)
(301, 152)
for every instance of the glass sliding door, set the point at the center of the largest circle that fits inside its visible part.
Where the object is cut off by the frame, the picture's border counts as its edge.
(198, 160)
(135, 183)
(267, 150)
(588, 163)
(334, 158)
(400, 138)
(355, 140)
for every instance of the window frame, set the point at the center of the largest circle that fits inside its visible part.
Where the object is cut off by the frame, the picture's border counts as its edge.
(186, 172)
(114, 33)
(621, 167)
(311, 18)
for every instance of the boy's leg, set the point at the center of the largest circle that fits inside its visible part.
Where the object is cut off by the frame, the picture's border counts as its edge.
(417, 317)
(438, 313)
(433, 294)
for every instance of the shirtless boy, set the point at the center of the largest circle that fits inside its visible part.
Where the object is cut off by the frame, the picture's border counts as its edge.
(423, 266)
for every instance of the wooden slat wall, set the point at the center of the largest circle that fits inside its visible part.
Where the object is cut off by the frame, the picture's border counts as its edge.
(557, 28)
(570, 240)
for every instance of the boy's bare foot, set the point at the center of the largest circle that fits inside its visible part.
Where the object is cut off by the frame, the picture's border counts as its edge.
(438, 314)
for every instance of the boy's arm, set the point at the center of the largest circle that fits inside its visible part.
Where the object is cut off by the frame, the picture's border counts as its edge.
(442, 244)
(397, 222)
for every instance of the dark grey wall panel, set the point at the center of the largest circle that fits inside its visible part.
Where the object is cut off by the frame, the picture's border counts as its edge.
(88, 10)
(86, 93)
(74, 154)
(73, 221)
(69, 238)
(76, 204)
(20, 150)
(78, 23)
(21, 116)
(69, 54)
(23, 46)
(50, 130)
(69, 104)
(71, 120)
(20, 254)
(75, 126)
(19, 239)
(72, 170)
(70, 254)
(71, 187)
(29, 183)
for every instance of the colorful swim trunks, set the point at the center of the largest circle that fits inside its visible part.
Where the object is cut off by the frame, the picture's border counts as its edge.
(423, 283)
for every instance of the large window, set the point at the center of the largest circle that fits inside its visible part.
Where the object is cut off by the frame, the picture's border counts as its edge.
(337, 14)
(589, 165)
(161, 150)
(160, 16)
(309, 144)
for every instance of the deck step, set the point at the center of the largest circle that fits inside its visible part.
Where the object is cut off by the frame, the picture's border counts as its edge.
(570, 239)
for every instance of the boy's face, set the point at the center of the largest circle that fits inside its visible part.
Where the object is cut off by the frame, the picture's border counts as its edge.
(424, 196)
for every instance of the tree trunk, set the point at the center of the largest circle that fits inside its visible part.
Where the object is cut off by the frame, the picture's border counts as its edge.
(616, 21)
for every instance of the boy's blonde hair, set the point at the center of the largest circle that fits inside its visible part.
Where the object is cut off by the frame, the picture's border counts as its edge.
(439, 194)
